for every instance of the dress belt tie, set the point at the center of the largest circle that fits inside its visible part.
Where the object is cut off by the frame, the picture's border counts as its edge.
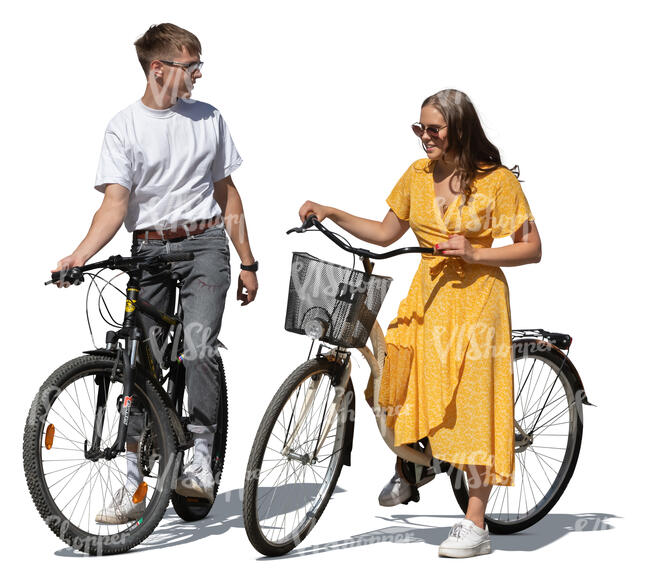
(441, 263)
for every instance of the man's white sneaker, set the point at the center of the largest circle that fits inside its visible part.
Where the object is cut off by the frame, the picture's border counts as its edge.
(121, 509)
(196, 481)
(465, 539)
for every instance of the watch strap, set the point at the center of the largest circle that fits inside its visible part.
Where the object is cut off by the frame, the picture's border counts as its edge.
(250, 267)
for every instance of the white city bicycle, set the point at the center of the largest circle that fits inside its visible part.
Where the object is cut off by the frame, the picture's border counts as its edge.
(305, 436)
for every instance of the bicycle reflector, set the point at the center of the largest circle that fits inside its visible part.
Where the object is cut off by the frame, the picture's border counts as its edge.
(49, 436)
(140, 493)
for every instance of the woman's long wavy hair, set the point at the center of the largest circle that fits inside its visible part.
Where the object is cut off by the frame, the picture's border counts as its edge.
(467, 144)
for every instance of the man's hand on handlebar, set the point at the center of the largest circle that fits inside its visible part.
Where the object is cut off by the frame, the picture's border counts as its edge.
(65, 264)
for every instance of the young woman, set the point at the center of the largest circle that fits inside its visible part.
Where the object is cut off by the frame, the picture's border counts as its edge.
(448, 370)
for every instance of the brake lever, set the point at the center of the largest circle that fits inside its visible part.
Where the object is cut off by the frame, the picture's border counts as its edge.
(308, 223)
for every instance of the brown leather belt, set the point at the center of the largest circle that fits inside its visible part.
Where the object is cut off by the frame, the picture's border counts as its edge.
(181, 231)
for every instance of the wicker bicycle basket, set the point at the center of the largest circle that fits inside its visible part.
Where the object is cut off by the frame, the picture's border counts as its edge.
(332, 303)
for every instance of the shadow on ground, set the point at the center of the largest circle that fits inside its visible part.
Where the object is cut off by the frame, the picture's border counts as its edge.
(432, 529)
(226, 514)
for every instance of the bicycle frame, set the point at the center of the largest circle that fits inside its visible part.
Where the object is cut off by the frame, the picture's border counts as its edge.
(375, 359)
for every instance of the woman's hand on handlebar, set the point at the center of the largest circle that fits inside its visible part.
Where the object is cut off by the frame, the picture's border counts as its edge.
(319, 210)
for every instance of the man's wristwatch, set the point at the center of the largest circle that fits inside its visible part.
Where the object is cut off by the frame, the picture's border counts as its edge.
(250, 267)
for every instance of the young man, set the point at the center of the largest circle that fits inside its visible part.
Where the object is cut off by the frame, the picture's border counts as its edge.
(165, 172)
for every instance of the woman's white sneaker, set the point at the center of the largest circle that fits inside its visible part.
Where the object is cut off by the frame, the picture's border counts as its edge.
(465, 539)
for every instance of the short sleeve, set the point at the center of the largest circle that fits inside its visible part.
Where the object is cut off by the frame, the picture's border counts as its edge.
(399, 199)
(114, 165)
(511, 207)
(227, 159)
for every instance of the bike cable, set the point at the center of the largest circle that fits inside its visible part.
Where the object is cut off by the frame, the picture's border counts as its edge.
(113, 323)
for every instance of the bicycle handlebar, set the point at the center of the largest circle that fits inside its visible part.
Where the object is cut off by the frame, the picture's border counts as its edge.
(75, 275)
(311, 220)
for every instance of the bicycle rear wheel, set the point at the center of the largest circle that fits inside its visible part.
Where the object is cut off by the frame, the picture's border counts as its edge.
(286, 490)
(193, 509)
(548, 409)
(69, 489)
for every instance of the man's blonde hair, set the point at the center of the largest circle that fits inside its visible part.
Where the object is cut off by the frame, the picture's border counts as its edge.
(162, 41)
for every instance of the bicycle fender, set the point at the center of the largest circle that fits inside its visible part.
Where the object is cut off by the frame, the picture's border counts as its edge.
(102, 352)
(349, 425)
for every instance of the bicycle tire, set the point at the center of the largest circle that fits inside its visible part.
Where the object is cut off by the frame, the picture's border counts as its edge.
(193, 509)
(41, 478)
(254, 494)
(498, 521)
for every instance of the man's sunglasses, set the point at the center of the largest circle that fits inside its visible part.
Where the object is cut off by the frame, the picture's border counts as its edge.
(432, 131)
(189, 67)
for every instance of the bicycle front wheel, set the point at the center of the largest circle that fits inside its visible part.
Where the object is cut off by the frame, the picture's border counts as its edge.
(79, 496)
(289, 480)
(548, 434)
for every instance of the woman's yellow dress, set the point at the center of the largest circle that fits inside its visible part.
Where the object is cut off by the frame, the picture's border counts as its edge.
(448, 369)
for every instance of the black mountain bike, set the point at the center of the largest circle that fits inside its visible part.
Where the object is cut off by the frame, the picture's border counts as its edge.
(305, 436)
(75, 438)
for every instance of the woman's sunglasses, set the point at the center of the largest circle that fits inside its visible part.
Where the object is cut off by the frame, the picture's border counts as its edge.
(432, 131)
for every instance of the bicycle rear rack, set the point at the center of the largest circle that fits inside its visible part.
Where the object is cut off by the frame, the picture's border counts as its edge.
(561, 341)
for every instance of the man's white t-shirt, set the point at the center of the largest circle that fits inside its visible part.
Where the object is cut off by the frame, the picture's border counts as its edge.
(169, 160)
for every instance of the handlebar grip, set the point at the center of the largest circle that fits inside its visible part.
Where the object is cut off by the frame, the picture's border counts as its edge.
(55, 278)
(73, 275)
(178, 256)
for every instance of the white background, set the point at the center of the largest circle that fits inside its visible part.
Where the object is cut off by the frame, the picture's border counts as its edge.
(319, 97)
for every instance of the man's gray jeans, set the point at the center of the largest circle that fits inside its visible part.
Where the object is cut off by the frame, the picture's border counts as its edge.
(206, 280)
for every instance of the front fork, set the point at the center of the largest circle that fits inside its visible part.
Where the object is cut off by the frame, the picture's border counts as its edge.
(130, 353)
(129, 357)
(334, 407)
